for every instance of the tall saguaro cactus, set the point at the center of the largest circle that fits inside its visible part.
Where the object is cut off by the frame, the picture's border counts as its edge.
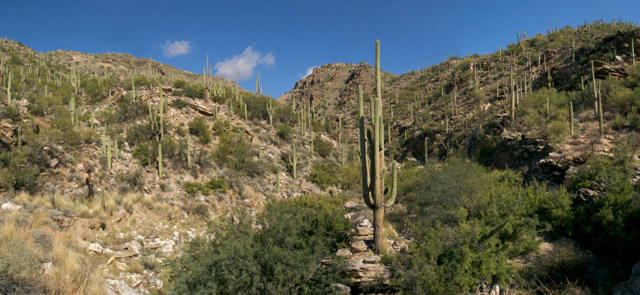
(373, 177)
(293, 161)
(160, 160)
(571, 117)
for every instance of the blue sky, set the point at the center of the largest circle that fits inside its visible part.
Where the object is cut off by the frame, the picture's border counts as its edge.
(284, 39)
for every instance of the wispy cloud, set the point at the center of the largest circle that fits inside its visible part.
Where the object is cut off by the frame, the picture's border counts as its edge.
(243, 64)
(309, 71)
(176, 48)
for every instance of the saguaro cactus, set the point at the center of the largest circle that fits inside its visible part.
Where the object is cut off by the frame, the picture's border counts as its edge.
(571, 117)
(426, 153)
(270, 112)
(188, 150)
(373, 178)
(160, 160)
(293, 161)
(600, 113)
(513, 97)
(633, 53)
(9, 89)
(108, 155)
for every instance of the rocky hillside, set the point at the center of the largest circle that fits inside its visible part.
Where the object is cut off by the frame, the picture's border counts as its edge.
(111, 165)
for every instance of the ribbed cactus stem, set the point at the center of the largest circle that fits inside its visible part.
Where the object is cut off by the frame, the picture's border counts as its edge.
(571, 117)
(633, 53)
(293, 160)
(92, 119)
(245, 112)
(260, 152)
(160, 160)
(426, 152)
(446, 124)
(548, 109)
(311, 140)
(188, 150)
(9, 89)
(270, 112)
(600, 113)
(104, 139)
(373, 178)
(115, 146)
(133, 87)
(513, 97)
(108, 155)
(593, 79)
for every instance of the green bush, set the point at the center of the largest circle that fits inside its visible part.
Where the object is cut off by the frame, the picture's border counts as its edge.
(281, 256)
(469, 223)
(200, 128)
(236, 153)
(215, 185)
(142, 153)
(284, 131)
(323, 175)
(324, 149)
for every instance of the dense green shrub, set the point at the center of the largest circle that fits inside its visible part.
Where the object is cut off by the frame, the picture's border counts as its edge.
(323, 175)
(469, 222)
(281, 256)
(235, 152)
(200, 128)
(324, 149)
(214, 184)
(142, 153)
(284, 131)
(608, 225)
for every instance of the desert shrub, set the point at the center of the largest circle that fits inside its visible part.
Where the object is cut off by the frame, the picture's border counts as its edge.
(324, 149)
(236, 153)
(284, 131)
(350, 178)
(281, 256)
(179, 83)
(323, 175)
(179, 103)
(469, 222)
(180, 131)
(142, 153)
(134, 179)
(145, 132)
(200, 128)
(12, 113)
(215, 184)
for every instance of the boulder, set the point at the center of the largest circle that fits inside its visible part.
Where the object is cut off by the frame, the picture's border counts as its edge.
(365, 228)
(344, 253)
(10, 206)
(119, 287)
(95, 248)
(341, 289)
(358, 246)
(167, 247)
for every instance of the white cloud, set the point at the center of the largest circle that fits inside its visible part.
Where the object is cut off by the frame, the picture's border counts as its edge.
(243, 64)
(176, 47)
(309, 72)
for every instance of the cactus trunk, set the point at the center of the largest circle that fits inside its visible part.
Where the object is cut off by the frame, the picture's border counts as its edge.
(373, 177)
(160, 160)
(571, 117)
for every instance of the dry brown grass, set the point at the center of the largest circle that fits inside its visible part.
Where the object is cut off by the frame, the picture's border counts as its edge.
(22, 269)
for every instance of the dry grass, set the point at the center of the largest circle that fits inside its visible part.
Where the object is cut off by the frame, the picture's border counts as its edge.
(21, 260)
(77, 206)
